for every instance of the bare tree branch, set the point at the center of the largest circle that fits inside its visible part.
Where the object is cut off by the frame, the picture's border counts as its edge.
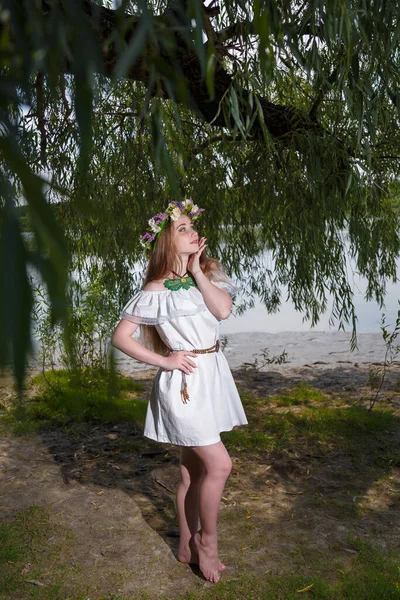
(241, 29)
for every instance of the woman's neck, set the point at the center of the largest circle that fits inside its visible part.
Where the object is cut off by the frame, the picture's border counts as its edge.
(181, 267)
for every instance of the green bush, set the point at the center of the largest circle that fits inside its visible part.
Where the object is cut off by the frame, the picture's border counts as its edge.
(86, 396)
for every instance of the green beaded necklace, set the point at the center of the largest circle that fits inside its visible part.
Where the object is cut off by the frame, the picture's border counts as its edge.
(184, 282)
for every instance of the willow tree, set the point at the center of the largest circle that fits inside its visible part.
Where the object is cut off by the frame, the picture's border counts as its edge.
(280, 118)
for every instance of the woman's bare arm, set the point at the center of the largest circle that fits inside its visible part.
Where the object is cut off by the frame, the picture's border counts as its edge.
(122, 339)
(218, 302)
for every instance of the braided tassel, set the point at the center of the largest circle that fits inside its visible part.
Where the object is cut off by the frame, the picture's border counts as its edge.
(184, 390)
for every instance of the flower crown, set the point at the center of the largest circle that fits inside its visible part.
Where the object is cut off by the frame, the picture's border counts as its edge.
(159, 221)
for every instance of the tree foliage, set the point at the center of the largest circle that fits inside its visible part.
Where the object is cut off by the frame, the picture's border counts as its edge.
(280, 118)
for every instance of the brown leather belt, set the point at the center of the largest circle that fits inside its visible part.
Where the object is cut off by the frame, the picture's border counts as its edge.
(214, 348)
(184, 389)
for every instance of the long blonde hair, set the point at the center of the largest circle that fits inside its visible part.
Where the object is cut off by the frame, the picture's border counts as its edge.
(161, 262)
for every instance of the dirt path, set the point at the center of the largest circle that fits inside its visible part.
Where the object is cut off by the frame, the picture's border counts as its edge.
(102, 531)
(111, 494)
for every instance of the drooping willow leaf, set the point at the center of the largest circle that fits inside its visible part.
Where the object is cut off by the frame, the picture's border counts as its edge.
(282, 120)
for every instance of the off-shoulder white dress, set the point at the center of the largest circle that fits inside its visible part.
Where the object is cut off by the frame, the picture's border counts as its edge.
(184, 322)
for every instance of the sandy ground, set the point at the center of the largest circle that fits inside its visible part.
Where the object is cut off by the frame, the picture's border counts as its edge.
(327, 349)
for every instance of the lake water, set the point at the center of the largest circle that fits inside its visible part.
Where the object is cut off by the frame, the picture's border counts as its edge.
(288, 319)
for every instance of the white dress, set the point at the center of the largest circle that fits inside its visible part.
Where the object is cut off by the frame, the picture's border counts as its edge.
(184, 322)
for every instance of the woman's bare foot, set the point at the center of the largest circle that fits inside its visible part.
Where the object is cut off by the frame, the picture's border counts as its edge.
(189, 555)
(209, 562)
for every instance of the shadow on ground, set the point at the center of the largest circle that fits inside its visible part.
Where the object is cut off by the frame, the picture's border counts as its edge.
(299, 480)
(297, 505)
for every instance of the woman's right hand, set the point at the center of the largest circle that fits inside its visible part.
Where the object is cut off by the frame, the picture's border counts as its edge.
(179, 360)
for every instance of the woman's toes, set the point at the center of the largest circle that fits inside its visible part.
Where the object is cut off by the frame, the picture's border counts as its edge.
(214, 578)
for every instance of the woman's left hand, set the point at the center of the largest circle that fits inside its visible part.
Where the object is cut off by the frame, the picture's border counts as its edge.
(194, 259)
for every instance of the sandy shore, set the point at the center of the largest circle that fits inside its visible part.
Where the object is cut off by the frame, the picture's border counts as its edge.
(326, 350)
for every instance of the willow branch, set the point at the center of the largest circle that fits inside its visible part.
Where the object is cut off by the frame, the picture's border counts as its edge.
(41, 118)
(323, 91)
(222, 137)
(281, 121)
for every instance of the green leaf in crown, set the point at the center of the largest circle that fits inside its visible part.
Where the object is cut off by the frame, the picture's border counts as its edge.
(184, 283)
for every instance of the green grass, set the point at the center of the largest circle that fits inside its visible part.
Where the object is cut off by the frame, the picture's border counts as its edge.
(302, 394)
(315, 425)
(304, 419)
(25, 542)
(62, 399)
(375, 579)
(371, 574)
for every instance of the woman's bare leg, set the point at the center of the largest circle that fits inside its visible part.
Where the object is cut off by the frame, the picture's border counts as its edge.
(218, 466)
(187, 503)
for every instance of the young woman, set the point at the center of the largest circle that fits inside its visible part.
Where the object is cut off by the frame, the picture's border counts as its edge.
(194, 397)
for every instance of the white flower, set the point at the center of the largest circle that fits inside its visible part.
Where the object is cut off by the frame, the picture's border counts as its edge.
(176, 213)
(195, 208)
(154, 227)
(187, 203)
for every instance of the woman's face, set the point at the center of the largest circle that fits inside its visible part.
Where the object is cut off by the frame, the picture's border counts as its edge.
(186, 238)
